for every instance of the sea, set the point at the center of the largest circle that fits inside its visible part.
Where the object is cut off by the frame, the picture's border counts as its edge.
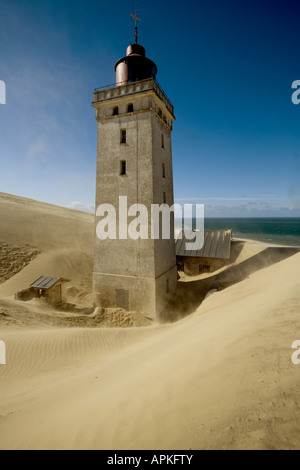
(280, 231)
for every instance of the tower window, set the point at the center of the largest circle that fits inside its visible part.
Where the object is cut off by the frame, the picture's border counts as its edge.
(130, 108)
(164, 198)
(167, 286)
(162, 141)
(115, 111)
(123, 136)
(123, 167)
(163, 170)
(159, 112)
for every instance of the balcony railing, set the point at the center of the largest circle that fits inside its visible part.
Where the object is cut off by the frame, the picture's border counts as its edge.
(117, 90)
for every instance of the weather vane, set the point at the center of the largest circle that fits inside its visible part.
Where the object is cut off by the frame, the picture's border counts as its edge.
(136, 19)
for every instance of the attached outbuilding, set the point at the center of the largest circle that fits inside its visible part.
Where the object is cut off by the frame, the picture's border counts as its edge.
(53, 289)
(213, 255)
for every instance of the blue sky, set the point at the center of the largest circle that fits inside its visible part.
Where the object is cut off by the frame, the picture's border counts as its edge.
(227, 66)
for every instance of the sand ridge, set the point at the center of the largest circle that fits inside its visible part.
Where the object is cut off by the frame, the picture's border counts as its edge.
(219, 378)
(14, 258)
(63, 241)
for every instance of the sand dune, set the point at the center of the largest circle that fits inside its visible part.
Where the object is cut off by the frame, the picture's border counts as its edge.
(69, 263)
(47, 226)
(222, 377)
(14, 259)
(60, 242)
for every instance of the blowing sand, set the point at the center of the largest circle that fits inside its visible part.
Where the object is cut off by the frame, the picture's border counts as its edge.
(220, 377)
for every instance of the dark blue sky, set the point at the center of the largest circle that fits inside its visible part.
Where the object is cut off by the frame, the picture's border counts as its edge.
(227, 66)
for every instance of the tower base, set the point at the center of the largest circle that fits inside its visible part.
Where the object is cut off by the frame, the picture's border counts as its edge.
(147, 296)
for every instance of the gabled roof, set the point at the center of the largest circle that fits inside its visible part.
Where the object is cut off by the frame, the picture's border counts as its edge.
(217, 244)
(45, 282)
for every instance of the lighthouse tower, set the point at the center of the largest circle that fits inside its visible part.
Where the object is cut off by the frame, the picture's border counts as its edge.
(134, 159)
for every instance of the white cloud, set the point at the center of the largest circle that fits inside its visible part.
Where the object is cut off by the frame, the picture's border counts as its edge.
(241, 198)
(250, 210)
(244, 206)
(81, 206)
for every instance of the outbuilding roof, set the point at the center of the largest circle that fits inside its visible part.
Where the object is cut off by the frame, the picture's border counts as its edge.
(217, 244)
(45, 282)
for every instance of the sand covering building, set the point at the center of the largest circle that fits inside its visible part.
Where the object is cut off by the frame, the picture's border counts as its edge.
(213, 255)
(53, 289)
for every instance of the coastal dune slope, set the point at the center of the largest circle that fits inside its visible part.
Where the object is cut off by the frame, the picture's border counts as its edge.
(26, 221)
(220, 378)
(41, 239)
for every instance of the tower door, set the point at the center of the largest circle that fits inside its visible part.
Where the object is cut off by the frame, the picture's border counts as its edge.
(122, 298)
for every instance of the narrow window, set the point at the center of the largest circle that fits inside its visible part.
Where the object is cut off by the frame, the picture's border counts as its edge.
(123, 136)
(163, 170)
(115, 111)
(123, 167)
(162, 141)
(167, 286)
(159, 112)
(165, 198)
(130, 108)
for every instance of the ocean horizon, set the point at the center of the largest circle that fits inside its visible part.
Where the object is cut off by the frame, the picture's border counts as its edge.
(277, 230)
